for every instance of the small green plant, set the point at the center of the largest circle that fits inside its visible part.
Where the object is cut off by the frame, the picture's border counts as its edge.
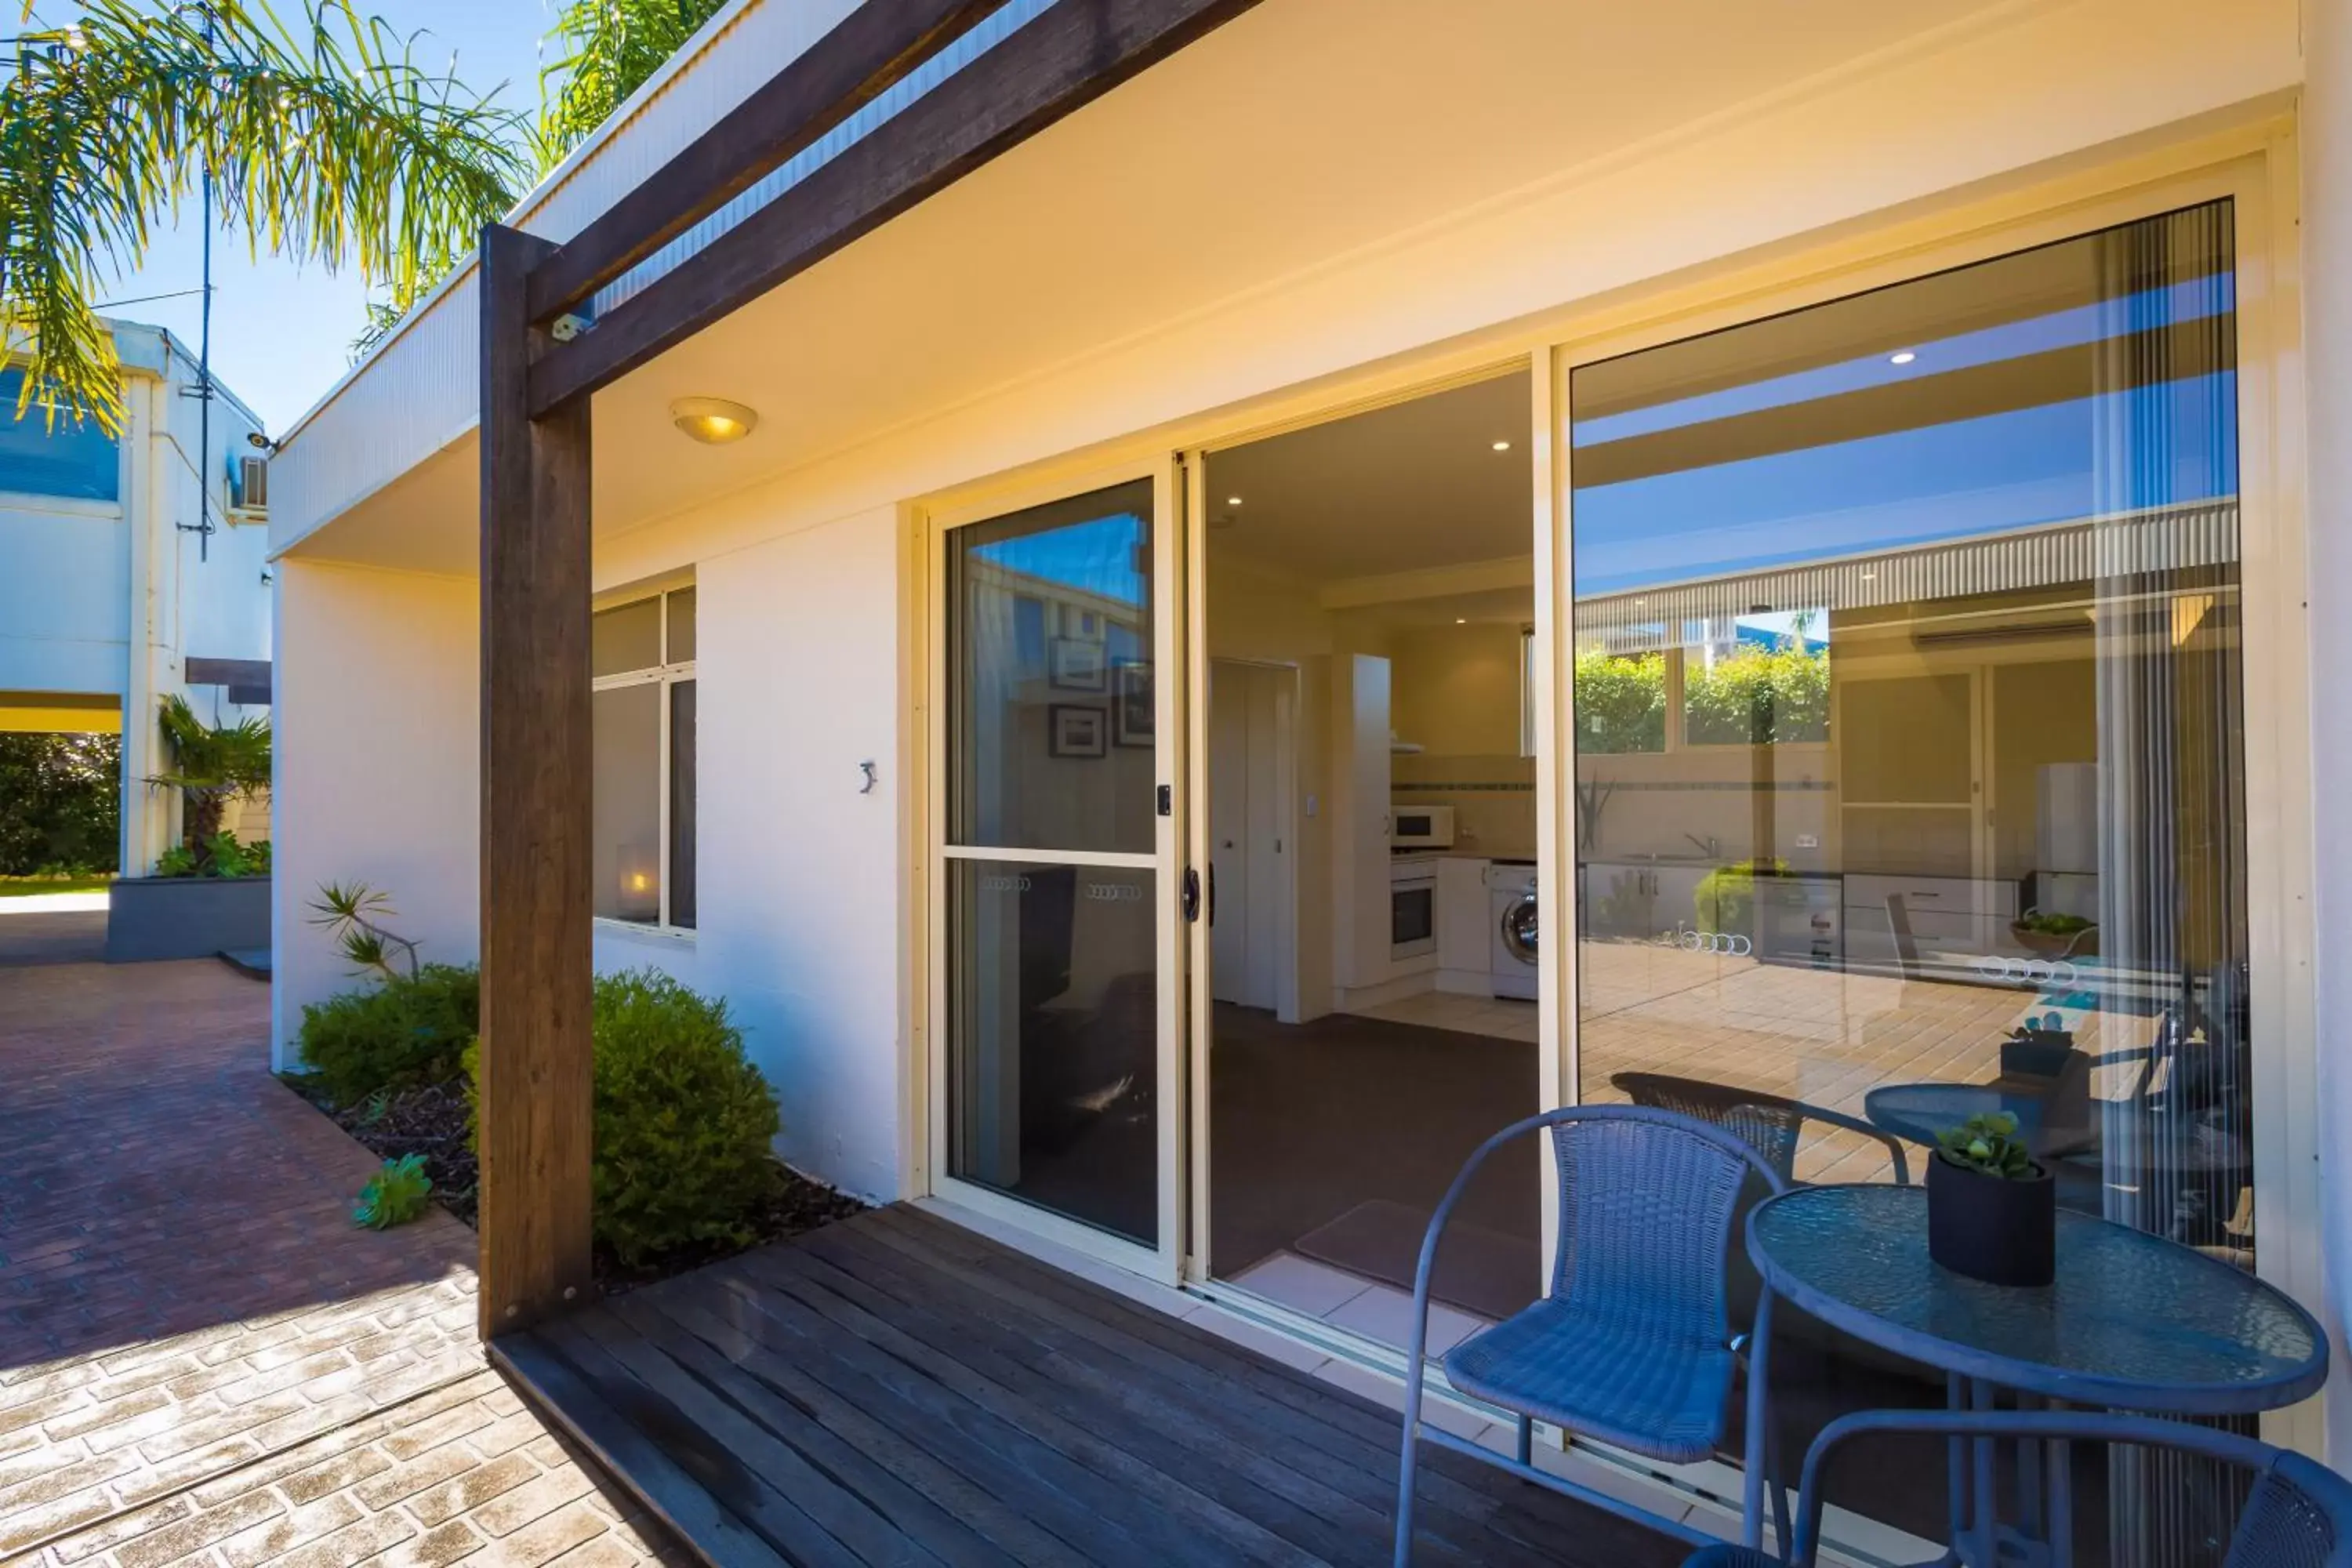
(394, 1195)
(1988, 1143)
(1726, 898)
(222, 855)
(410, 1031)
(352, 913)
(2054, 925)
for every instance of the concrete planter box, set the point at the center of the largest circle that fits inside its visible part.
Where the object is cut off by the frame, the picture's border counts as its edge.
(150, 917)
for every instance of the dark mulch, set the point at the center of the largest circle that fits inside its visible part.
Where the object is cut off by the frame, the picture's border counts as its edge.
(432, 1122)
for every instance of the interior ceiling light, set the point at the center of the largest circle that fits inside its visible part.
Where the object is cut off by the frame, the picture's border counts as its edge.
(1461, 620)
(713, 421)
(1905, 357)
(1233, 501)
(1501, 445)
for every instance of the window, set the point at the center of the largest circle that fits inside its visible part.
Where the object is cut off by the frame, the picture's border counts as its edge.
(641, 655)
(72, 457)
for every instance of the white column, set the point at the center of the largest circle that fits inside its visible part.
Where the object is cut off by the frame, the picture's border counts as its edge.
(2327, 323)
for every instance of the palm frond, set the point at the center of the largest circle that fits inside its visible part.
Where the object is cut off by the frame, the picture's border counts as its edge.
(609, 50)
(335, 145)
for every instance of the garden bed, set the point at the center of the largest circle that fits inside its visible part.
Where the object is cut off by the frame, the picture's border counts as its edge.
(432, 1121)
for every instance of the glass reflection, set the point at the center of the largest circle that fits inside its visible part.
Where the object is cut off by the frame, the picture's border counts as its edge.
(1909, 764)
(1050, 676)
(1052, 1002)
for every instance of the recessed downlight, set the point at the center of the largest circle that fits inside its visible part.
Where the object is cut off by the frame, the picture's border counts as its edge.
(1501, 445)
(713, 421)
(1233, 501)
(1904, 357)
(1461, 620)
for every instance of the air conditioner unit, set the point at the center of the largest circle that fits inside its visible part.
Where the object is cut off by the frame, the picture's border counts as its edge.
(248, 488)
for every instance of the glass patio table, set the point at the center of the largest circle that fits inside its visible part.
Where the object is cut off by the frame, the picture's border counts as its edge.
(2132, 1321)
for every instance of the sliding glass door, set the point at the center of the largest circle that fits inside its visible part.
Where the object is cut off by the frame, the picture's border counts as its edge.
(1057, 906)
(1910, 754)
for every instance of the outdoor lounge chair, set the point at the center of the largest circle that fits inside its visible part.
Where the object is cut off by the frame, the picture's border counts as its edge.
(2298, 1515)
(1772, 1124)
(1632, 1343)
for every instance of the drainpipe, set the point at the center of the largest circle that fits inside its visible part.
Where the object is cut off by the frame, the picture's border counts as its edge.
(151, 516)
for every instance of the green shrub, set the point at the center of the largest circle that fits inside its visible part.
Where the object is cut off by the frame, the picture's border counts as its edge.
(1726, 899)
(1757, 696)
(683, 1120)
(1620, 702)
(409, 1031)
(60, 803)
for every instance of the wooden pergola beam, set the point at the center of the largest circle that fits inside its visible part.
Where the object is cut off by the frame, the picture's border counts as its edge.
(1046, 69)
(534, 1127)
(535, 1123)
(870, 50)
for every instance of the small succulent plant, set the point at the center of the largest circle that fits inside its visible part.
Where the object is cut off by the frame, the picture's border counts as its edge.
(1988, 1142)
(394, 1195)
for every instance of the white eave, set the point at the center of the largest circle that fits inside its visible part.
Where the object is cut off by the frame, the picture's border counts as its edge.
(415, 393)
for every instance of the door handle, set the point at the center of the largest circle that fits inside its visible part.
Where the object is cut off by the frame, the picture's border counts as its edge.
(1213, 892)
(1192, 894)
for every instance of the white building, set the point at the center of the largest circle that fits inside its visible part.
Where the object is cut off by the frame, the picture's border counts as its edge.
(1383, 375)
(113, 593)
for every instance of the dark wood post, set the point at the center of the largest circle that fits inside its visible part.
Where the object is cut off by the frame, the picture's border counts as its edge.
(535, 1122)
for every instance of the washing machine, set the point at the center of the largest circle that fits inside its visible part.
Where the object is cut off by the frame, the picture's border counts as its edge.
(1511, 901)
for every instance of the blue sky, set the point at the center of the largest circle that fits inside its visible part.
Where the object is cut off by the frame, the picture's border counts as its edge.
(281, 335)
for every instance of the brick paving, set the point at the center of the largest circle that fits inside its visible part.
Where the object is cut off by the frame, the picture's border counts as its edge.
(201, 1360)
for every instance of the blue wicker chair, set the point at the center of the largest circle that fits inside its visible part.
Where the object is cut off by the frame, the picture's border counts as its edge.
(1631, 1344)
(2299, 1514)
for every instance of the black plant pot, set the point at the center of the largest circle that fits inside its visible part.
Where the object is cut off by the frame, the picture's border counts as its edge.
(2001, 1229)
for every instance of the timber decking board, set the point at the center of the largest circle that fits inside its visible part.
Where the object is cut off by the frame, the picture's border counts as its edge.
(894, 1389)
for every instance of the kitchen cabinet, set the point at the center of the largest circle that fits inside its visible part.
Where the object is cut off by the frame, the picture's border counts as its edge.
(1952, 915)
(1463, 943)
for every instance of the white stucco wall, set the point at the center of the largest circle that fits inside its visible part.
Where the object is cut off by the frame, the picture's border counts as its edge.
(378, 767)
(800, 874)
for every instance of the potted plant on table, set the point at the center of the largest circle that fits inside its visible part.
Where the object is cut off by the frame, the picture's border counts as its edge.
(1992, 1210)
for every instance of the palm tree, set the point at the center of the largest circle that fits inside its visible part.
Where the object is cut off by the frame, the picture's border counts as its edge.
(331, 144)
(609, 50)
(212, 764)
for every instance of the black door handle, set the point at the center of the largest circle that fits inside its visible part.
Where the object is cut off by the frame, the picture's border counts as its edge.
(1192, 894)
(1213, 892)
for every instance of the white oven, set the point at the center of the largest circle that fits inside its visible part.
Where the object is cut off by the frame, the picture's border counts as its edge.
(1421, 827)
(1412, 907)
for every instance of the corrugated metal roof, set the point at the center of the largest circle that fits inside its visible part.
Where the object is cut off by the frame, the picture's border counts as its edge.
(2157, 540)
(883, 109)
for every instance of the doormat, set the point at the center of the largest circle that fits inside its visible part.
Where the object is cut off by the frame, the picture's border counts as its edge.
(1485, 1271)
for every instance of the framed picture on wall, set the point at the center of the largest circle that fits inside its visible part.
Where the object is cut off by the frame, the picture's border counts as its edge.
(1133, 716)
(1075, 730)
(1075, 664)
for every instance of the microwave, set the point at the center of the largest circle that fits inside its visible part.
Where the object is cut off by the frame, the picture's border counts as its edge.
(1421, 827)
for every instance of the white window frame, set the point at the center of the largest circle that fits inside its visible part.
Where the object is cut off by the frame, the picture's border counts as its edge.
(666, 676)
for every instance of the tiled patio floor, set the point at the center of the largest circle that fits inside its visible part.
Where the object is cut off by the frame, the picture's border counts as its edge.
(1820, 1036)
(201, 1360)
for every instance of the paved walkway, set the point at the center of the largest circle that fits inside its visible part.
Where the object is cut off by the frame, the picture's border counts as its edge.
(51, 928)
(201, 1360)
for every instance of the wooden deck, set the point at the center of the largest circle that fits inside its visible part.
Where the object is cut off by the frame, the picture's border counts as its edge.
(895, 1389)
